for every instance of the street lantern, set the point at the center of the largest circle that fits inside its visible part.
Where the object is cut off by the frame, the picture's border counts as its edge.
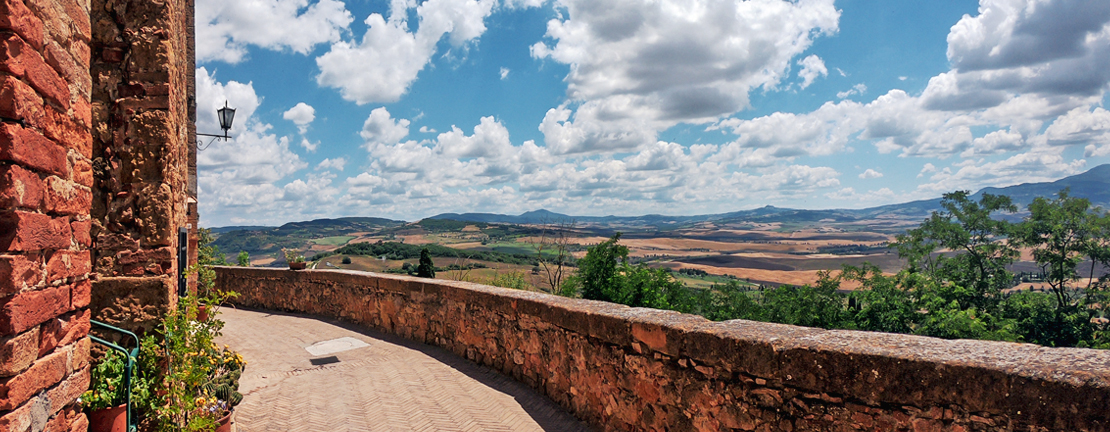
(226, 115)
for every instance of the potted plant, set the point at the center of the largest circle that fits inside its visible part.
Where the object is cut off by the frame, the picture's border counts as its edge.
(295, 260)
(106, 400)
(199, 384)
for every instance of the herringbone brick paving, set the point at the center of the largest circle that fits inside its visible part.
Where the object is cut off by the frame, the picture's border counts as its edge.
(391, 385)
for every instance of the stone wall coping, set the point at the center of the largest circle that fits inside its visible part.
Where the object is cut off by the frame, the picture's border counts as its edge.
(1076, 366)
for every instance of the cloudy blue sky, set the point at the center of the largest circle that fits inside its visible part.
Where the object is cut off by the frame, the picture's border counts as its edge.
(405, 108)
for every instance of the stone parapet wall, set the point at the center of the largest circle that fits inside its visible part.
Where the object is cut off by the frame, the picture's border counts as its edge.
(624, 368)
(45, 196)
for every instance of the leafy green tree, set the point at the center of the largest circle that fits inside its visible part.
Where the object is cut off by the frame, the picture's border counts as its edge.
(346, 260)
(244, 259)
(968, 229)
(811, 306)
(426, 269)
(208, 254)
(597, 271)
(1060, 231)
(882, 303)
(640, 286)
(726, 301)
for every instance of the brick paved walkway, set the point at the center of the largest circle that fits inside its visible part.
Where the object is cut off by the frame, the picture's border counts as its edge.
(388, 384)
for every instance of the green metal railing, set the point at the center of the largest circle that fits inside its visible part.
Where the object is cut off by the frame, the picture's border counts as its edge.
(131, 355)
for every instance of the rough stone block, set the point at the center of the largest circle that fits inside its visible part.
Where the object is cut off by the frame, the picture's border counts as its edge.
(66, 198)
(132, 303)
(18, 352)
(44, 373)
(27, 309)
(20, 272)
(20, 188)
(32, 150)
(24, 231)
(20, 59)
(15, 16)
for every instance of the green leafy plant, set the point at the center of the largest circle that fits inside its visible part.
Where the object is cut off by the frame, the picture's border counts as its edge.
(200, 380)
(106, 386)
(513, 279)
(292, 256)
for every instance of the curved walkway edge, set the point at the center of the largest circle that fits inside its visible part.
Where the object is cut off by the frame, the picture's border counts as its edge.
(308, 374)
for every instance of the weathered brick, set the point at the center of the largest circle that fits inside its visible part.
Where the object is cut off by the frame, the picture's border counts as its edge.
(79, 18)
(65, 197)
(20, 59)
(27, 309)
(15, 16)
(20, 272)
(81, 52)
(81, 109)
(81, 232)
(18, 352)
(28, 148)
(80, 355)
(16, 421)
(69, 68)
(18, 101)
(68, 391)
(20, 188)
(24, 231)
(44, 373)
(65, 263)
(54, 20)
(58, 423)
(80, 423)
(82, 171)
(59, 127)
(80, 294)
(63, 331)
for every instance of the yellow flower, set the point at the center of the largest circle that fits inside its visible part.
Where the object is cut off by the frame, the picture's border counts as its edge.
(200, 401)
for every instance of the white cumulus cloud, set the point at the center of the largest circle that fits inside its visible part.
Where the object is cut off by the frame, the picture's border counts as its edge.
(870, 174)
(812, 68)
(224, 29)
(384, 64)
(641, 66)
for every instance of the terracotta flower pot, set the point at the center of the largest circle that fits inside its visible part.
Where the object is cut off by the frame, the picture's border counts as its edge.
(297, 265)
(109, 419)
(224, 424)
(202, 313)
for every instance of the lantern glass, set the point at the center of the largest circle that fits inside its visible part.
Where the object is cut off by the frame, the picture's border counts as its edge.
(227, 115)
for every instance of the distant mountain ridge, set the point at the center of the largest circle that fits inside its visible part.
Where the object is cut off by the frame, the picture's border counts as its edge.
(1093, 185)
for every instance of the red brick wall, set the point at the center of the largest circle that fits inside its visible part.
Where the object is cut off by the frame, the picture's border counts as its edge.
(45, 196)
